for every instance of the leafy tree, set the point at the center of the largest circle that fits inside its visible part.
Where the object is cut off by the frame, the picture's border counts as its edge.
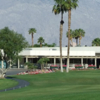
(49, 45)
(40, 40)
(43, 61)
(59, 8)
(46, 60)
(36, 45)
(53, 45)
(96, 42)
(30, 65)
(70, 4)
(32, 31)
(12, 43)
(45, 44)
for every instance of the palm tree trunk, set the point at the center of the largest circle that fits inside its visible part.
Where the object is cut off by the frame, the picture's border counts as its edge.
(61, 29)
(76, 41)
(60, 41)
(40, 44)
(69, 24)
(32, 40)
(80, 40)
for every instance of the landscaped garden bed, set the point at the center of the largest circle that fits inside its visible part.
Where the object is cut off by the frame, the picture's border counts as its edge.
(78, 67)
(91, 66)
(35, 72)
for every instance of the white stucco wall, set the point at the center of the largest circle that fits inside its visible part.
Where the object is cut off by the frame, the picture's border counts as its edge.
(54, 51)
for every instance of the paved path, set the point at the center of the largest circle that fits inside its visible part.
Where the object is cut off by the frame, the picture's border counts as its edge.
(21, 83)
(14, 71)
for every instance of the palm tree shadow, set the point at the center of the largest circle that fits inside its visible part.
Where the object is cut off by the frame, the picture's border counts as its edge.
(10, 77)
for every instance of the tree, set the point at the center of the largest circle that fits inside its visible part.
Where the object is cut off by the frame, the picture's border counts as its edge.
(57, 9)
(81, 34)
(40, 40)
(71, 35)
(53, 44)
(2, 69)
(96, 42)
(43, 61)
(12, 43)
(49, 45)
(70, 4)
(76, 35)
(32, 31)
(30, 65)
(2, 72)
(46, 60)
(36, 45)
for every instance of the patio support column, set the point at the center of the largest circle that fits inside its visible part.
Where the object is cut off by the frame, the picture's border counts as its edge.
(26, 59)
(54, 61)
(18, 64)
(96, 62)
(82, 61)
(26, 67)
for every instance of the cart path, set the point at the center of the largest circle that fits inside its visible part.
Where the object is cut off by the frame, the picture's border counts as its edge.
(21, 84)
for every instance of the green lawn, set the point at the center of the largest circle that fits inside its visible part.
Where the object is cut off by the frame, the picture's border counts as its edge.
(75, 85)
(5, 83)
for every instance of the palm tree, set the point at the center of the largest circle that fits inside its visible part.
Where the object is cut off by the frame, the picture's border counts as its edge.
(40, 40)
(81, 34)
(76, 35)
(32, 31)
(57, 9)
(96, 42)
(71, 35)
(70, 4)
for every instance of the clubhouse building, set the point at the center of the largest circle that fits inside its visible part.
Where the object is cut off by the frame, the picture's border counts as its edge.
(78, 56)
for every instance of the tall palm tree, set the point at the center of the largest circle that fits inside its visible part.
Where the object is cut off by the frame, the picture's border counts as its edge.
(32, 31)
(71, 35)
(70, 4)
(40, 40)
(57, 9)
(81, 34)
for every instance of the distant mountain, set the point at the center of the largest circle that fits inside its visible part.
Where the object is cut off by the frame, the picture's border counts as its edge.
(20, 15)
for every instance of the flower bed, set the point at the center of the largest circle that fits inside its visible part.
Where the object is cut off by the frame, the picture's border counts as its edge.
(78, 67)
(91, 66)
(64, 66)
(54, 66)
(35, 72)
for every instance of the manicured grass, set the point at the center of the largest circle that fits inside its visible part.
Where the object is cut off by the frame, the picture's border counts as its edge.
(75, 85)
(5, 83)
